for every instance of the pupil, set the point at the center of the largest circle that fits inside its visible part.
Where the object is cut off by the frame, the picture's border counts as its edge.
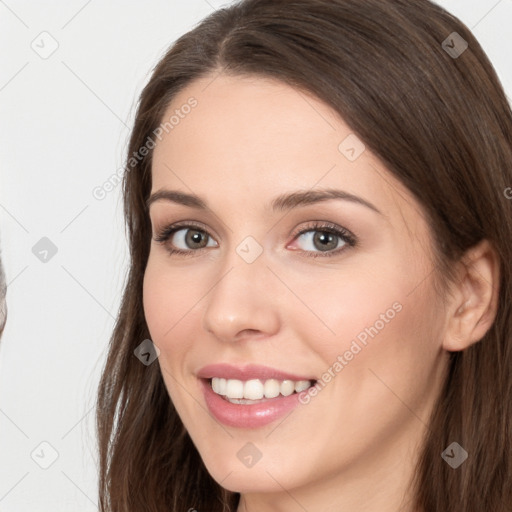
(195, 237)
(324, 239)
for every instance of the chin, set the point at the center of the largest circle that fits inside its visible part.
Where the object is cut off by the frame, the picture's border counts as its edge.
(247, 482)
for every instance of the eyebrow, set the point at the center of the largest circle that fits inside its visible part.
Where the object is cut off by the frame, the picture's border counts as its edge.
(281, 203)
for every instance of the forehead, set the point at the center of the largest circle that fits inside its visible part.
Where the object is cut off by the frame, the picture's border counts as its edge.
(241, 117)
(249, 138)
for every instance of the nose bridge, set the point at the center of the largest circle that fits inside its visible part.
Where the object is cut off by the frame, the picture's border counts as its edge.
(241, 299)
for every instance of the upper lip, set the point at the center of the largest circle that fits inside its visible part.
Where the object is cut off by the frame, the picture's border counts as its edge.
(247, 372)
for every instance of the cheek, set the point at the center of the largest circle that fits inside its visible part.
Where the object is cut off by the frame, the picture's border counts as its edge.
(172, 306)
(389, 343)
(374, 317)
(166, 299)
(166, 303)
(156, 301)
(342, 307)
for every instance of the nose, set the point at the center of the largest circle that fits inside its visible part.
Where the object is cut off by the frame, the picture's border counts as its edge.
(243, 302)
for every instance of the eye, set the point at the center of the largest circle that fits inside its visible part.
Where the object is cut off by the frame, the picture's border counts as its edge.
(325, 239)
(189, 236)
(318, 238)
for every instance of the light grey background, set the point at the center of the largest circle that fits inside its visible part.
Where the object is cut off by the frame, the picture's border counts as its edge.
(64, 126)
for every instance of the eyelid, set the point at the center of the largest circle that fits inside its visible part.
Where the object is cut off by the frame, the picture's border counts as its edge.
(349, 239)
(165, 232)
(326, 226)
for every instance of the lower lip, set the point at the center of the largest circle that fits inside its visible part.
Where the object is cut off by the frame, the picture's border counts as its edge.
(248, 415)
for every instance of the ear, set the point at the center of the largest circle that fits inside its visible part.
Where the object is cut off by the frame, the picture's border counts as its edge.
(473, 301)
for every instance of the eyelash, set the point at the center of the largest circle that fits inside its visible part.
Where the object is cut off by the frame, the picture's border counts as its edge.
(323, 227)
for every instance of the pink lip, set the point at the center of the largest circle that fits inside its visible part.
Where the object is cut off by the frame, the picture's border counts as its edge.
(247, 372)
(247, 415)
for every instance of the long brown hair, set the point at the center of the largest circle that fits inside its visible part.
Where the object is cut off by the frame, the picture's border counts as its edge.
(441, 124)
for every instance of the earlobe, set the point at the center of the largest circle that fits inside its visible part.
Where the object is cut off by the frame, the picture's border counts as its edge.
(473, 302)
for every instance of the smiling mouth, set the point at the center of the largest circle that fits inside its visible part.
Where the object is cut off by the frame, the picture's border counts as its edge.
(256, 391)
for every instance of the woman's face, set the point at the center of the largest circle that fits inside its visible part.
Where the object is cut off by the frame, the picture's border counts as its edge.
(349, 302)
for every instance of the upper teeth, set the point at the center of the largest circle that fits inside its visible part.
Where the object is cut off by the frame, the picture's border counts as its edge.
(255, 389)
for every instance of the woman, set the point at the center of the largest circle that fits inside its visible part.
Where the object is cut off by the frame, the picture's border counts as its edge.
(317, 314)
(3, 293)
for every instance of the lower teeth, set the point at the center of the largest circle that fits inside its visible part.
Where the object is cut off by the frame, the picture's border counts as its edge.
(244, 400)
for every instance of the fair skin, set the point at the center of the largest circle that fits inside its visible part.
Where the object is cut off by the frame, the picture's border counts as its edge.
(354, 446)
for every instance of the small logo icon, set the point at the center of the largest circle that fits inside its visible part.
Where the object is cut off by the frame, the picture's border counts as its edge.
(249, 249)
(351, 147)
(454, 455)
(249, 455)
(44, 250)
(455, 45)
(44, 45)
(147, 352)
(44, 455)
